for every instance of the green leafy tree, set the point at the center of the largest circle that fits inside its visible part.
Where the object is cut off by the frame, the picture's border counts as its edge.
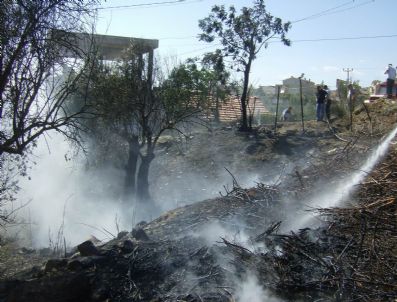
(131, 113)
(218, 80)
(342, 90)
(242, 37)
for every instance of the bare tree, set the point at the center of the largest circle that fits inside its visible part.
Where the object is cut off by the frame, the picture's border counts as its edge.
(33, 93)
(35, 80)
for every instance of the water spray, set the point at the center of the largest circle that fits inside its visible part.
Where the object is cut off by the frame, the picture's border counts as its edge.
(335, 195)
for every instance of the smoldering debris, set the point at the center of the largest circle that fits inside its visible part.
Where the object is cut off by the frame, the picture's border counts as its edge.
(350, 258)
(167, 264)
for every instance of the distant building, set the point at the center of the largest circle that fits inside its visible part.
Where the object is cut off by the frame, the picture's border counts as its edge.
(269, 90)
(292, 86)
(230, 110)
(107, 47)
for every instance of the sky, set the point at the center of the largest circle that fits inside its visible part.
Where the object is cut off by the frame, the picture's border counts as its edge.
(328, 37)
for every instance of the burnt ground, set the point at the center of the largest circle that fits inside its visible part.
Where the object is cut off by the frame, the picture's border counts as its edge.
(199, 168)
(207, 251)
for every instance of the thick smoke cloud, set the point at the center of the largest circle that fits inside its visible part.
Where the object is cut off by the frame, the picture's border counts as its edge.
(63, 193)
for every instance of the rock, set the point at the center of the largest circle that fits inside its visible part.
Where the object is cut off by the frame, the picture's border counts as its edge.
(127, 246)
(141, 224)
(73, 251)
(100, 295)
(139, 234)
(69, 287)
(75, 265)
(94, 240)
(251, 149)
(85, 262)
(25, 250)
(45, 252)
(122, 234)
(87, 248)
(54, 264)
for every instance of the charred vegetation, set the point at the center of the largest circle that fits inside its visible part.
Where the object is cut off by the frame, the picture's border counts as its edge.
(208, 250)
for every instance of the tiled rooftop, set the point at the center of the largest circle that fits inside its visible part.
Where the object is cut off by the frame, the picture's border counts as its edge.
(231, 109)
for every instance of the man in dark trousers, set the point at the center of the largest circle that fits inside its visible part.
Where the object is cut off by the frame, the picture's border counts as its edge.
(320, 106)
(327, 103)
(391, 76)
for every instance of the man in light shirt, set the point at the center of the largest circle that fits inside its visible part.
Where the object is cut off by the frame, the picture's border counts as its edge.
(391, 76)
(286, 115)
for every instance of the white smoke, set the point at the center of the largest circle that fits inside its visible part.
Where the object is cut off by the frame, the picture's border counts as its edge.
(63, 197)
(250, 290)
(214, 231)
(63, 194)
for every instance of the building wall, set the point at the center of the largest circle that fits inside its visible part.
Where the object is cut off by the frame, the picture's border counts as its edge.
(292, 86)
(231, 109)
(271, 90)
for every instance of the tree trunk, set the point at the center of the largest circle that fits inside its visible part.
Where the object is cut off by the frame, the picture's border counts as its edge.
(131, 169)
(243, 100)
(143, 194)
(216, 110)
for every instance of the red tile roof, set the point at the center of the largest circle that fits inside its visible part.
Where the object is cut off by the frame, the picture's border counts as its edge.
(230, 110)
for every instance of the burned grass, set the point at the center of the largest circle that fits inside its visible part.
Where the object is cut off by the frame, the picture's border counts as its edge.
(352, 257)
(173, 261)
(205, 251)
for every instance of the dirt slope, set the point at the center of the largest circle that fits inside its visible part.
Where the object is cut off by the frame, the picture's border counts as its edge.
(193, 170)
(175, 257)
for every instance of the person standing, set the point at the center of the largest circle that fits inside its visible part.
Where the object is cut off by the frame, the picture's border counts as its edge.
(327, 103)
(351, 96)
(391, 76)
(321, 96)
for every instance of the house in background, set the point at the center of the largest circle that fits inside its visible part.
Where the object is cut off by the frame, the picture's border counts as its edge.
(292, 86)
(106, 47)
(268, 90)
(230, 110)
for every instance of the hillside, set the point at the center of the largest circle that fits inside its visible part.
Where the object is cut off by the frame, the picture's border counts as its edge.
(200, 166)
(248, 243)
